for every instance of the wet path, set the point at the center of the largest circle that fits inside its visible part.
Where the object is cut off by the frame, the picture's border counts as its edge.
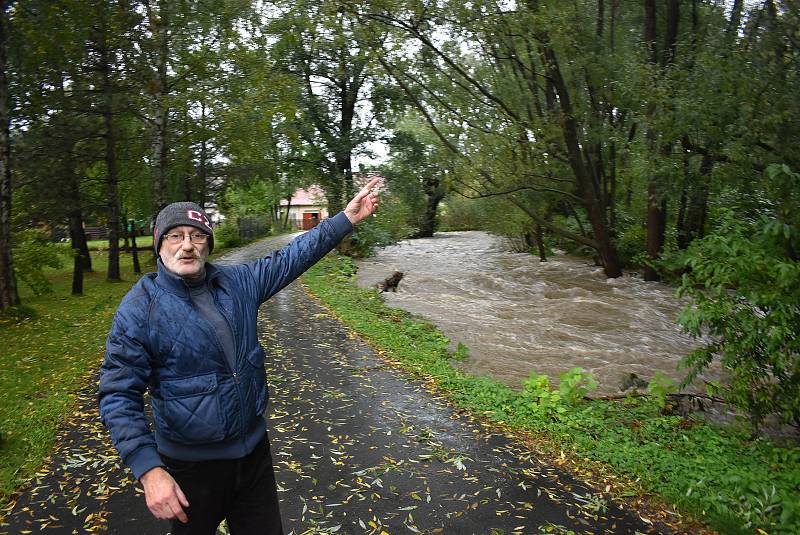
(358, 448)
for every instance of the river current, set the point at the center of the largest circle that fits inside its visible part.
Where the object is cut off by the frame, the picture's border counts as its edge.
(517, 314)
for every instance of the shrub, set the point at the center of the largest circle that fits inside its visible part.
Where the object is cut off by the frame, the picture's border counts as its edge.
(227, 235)
(744, 280)
(33, 252)
(387, 227)
(631, 245)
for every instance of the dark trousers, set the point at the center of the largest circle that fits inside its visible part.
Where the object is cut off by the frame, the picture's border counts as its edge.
(241, 491)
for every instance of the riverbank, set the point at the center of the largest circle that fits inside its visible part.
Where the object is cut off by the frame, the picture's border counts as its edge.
(715, 474)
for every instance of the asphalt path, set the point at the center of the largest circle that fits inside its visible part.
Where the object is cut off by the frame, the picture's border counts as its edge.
(358, 448)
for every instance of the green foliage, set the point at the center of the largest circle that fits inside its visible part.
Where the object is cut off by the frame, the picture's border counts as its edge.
(492, 214)
(541, 402)
(33, 253)
(720, 476)
(744, 280)
(659, 388)
(631, 245)
(256, 197)
(387, 227)
(461, 352)
(227, 235)
(574, 385)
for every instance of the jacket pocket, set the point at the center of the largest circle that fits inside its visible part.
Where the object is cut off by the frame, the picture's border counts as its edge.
(258, 383)
(191, 411)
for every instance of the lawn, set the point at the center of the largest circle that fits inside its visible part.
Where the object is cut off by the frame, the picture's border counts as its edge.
(142, 242)
(48, 357)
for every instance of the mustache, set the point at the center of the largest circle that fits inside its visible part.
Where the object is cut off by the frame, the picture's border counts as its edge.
(181, 256)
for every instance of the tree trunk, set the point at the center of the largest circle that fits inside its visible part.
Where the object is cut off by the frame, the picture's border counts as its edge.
(650, 30)
(137, 268)
(112, 193)
(288, 207)
(585, 185)
(537, 238)
(613, 25)
(434, 195)
(159, 26)
(77, 238)
(9, 296)
(736, 17)
(601, 8)
(202, 170)
(334, 191)
(540, 244)
(656, 223)
(656, 201)
(429, 222)
(671, 34)
(77, 275)
(694, 223)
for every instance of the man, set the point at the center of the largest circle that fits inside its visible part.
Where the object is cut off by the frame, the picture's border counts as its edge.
(188, 335)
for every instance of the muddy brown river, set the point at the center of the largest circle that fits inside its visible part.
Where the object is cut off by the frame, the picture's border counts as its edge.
(517, 315)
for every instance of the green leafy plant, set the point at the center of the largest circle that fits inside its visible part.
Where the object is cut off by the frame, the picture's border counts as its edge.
(659, 388)
(227, 235)
(745, 290)
(574, 385)
(33, 253)
(540, 399)
(461, 352)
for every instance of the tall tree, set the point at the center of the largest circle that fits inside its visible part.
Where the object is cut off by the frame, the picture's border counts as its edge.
(8, 284)
(325, 49)
(103, 44)
(493, 95)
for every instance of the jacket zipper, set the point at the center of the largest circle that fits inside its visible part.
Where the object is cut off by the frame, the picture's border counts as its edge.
(232, 366)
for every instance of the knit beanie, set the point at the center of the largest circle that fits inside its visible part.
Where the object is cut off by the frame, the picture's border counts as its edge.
(181, 213)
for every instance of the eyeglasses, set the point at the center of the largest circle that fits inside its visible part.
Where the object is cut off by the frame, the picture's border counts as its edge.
(176, 237)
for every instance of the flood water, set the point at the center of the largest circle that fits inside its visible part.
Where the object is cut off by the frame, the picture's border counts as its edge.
(517, 315)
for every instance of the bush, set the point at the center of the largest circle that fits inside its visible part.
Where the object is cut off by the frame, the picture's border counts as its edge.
(631, 245)
(227, 235)
(33, 252)
(744, 280)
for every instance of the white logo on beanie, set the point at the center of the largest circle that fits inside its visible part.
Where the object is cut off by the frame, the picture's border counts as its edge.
(194, 215)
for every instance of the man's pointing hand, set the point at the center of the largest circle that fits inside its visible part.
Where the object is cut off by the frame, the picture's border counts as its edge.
(364, 203)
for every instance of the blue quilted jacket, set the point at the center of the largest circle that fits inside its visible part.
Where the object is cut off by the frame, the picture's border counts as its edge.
(202, 409)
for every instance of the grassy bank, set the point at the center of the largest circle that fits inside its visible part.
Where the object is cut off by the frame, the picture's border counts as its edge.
(734, 484)
(48, 357)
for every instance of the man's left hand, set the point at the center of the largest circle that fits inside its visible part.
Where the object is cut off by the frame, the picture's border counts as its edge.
(364, 203)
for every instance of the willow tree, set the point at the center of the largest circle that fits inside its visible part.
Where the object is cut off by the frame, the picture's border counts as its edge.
(491, 83)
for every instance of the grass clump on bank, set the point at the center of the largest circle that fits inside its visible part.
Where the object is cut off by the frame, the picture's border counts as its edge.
(735, 484)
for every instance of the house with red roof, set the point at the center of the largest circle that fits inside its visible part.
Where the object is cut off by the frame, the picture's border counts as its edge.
(309, 206)
(306, 209)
